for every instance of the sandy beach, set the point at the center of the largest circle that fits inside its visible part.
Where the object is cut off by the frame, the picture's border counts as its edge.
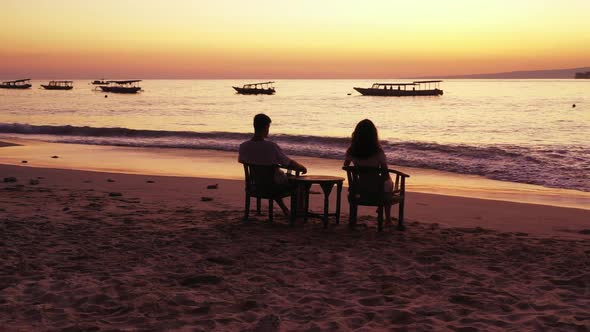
(136, 247)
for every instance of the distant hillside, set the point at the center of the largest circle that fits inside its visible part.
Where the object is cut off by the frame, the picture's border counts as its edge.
(554, 73)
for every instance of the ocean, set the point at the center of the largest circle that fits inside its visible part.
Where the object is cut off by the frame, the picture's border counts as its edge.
(525, 131)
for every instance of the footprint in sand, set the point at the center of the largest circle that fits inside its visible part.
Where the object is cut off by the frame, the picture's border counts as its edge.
(204, 279)
(372, 301)
(220, 260)
(268, 323)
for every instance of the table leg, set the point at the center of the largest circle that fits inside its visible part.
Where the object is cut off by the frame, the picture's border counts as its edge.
(327, 189)
(339, 192)
(306, 187)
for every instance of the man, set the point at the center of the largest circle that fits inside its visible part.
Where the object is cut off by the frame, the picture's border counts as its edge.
(260, 151)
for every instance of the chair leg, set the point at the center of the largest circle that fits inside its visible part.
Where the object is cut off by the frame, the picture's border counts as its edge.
(380, 218)
(400, 222)
(306, 199)
(352, 215)
(270, 209)
(247, 207)
(258, 212)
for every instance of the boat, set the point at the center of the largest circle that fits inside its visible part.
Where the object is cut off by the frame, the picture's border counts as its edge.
(17, 84)
(263, 88)
(583, 75)
(100, 82)
(58, 85)
(129, 86)
(416, 88)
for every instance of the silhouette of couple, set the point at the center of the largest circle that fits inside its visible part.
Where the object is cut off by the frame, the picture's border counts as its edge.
(364, 150)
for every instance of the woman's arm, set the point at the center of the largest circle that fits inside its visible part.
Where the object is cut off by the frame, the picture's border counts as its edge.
(383, 162)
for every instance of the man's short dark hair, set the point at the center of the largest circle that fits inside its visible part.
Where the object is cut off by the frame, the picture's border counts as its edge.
(261, 121)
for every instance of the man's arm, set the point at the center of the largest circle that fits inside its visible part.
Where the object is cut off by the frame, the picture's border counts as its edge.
(282, 159)
(297, 166)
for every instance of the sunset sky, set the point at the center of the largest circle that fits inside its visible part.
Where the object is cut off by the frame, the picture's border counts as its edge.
(289, 38)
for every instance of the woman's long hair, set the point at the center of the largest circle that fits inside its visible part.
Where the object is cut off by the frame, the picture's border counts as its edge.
(365, 140)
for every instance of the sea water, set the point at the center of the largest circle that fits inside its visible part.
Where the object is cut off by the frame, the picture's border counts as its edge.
(527, 131)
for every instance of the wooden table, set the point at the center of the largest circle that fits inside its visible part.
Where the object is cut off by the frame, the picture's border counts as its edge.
(303, 184)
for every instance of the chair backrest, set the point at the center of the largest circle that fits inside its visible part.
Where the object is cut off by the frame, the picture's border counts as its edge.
(366, 184)
(260, 179)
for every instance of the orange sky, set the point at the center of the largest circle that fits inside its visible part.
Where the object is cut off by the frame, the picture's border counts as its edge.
(289, 38)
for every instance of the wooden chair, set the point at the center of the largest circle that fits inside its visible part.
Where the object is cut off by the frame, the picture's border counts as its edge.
(259, 180)
(366, 187)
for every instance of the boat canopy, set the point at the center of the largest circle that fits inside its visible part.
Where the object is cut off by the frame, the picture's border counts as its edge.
(17, 81)
(125, 82)
(389, 86)
(61, 82)
(416, 85)
(255, 85)
(435, 81)
(428, 83)
(393, 84)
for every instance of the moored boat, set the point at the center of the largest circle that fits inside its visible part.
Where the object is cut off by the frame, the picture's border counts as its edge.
(58, 85)
(128, 86)
(416, 88)
(16, 84)
(263, 88)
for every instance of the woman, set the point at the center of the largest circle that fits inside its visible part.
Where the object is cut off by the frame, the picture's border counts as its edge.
(365, 151)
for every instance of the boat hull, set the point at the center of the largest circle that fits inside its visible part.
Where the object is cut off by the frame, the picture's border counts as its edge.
(55, 87)
(254, 91)
(398, 93)
(8, 86)
(118, 89)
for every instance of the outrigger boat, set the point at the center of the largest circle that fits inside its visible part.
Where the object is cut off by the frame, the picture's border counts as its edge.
(17, 84)
(58, 85)
(416, 88)
(263, 88)
(129, 86)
